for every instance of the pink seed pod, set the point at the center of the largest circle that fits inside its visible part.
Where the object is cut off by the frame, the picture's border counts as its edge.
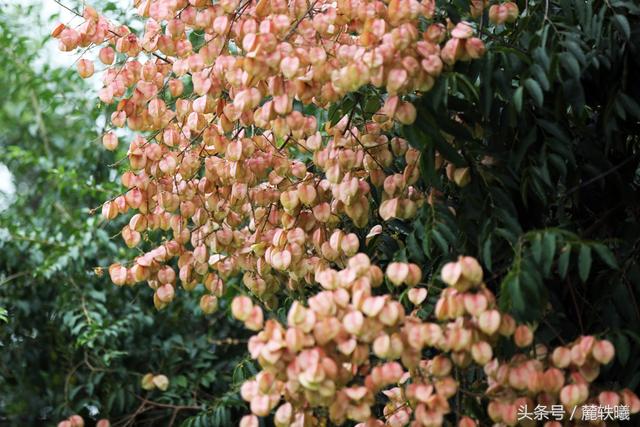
(289, 66)
(571, 396)
(353, 322)
(630, 399)
(165, 293)
(489, 322)
(397, 272)
(561, 357)
(241, 308)
(109, 210)
(475, 304)
(406, 113)
(467, 422)
(283, 415)
(507, 325)
(475, 48)
(255, 320)
(451, 273)
(110, 141)
(118, 274)
(552, 380)
(209, 304)
(76, 421)
(85, 68)
(417, 295)
(107, 55)
(414, 276)
(481, 352)
(523, 336)
(512, 11)
(609, 398)
(603, 351)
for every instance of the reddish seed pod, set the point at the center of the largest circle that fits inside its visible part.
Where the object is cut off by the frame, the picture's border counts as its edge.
(107, 55)
(85, 68)
(110, 141)
(523, 336)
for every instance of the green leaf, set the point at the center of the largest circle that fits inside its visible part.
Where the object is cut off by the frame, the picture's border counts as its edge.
(630, 105)
(584, 262)
(541, 76)
(606, 255)
(622, 25)
(517, 99)
(535, 91)
(548, 252)
(536, 248)
(486, 253)
(563, 261)
(440, 240)
(449, 152)
(416, 138)
(622, 345)
(570, 64)
(518, 299)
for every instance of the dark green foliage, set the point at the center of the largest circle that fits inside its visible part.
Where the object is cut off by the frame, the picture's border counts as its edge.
(72, 342)
(548, 123)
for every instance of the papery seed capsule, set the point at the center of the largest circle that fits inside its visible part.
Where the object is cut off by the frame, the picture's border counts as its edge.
(603, 351)
(507, 325)
(76, 421)
(107, 55)
(451, 273)
(467, 422)
(161, 382)
(353, 322)
(397, 272)
(241, 308)
(118, 274)
(249, 421)
(561, 357)
(283, 415)
(475, 304)
(209, 304)
(165, 293)
(57, 30)
(110, 141)
(405, 113)
(481, 352)
(523, 336)
(85, 68)
(571, 396)
(255, 320)
(147, 382)
(609, 398)
(630, 399)
(414, 276)
(109, 210)
(417, 295)
(511, 11)
(489, 322)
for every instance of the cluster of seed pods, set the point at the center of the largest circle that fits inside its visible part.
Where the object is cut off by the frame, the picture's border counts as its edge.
(78, 421)
(236, 174)
(347, 343)
(232, 171)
